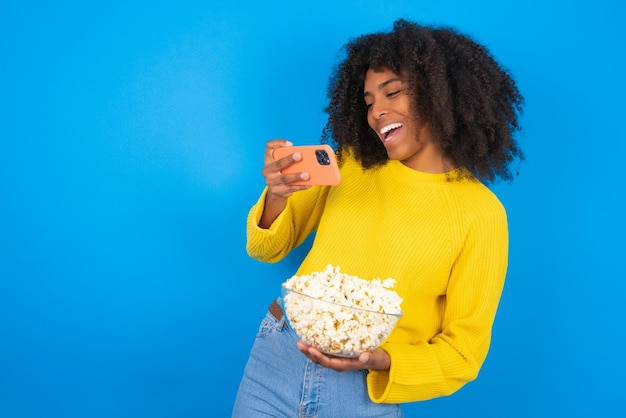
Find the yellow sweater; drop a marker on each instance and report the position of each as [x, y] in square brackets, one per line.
[445, 243]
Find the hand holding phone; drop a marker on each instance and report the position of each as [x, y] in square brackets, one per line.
[317, 160]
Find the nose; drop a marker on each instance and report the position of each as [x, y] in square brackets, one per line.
[378, 110]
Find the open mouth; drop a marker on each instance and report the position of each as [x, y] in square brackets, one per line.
[389, 131]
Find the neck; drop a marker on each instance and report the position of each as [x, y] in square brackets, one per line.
[429, 160]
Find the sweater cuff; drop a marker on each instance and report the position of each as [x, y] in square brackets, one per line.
[411, 377]
[254, 217]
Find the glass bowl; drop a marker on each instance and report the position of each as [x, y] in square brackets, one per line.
[336, 329]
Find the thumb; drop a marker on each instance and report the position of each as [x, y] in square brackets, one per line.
[377, 359]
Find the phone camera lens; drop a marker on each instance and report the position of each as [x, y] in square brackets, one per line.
[322, 157]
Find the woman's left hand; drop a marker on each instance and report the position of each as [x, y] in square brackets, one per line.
[376, 359]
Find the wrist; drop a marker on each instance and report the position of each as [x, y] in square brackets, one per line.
[272, 197]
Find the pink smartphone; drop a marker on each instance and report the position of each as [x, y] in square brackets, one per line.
[317, 160]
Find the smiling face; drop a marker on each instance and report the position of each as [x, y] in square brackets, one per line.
[389, 115]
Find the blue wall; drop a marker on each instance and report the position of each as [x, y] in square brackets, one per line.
[131, 142]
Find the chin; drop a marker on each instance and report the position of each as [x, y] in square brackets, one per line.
[393, 155]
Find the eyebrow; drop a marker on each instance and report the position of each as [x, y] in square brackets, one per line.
[383, 84]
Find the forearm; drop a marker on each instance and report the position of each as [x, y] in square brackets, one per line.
[274, 205]
[274, 228]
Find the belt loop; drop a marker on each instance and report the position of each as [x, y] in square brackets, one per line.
[277, 312]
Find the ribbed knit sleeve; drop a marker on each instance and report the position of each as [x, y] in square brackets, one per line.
[440, 366]
[299, 218]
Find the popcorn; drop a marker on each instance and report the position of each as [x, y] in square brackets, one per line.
[340, 314]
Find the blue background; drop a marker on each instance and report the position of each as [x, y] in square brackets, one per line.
[131, 143]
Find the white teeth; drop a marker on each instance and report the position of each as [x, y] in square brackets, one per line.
[390, 127]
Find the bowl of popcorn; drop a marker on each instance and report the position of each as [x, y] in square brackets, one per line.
[340, 314]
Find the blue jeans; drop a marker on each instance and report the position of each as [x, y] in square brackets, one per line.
[280, 381]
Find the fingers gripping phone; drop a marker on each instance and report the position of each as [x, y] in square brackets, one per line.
[317, 160]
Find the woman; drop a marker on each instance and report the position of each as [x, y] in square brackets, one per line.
[421, 118]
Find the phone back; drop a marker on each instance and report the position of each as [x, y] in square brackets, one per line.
[317, 160]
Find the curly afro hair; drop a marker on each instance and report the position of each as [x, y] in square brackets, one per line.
[470, 102]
